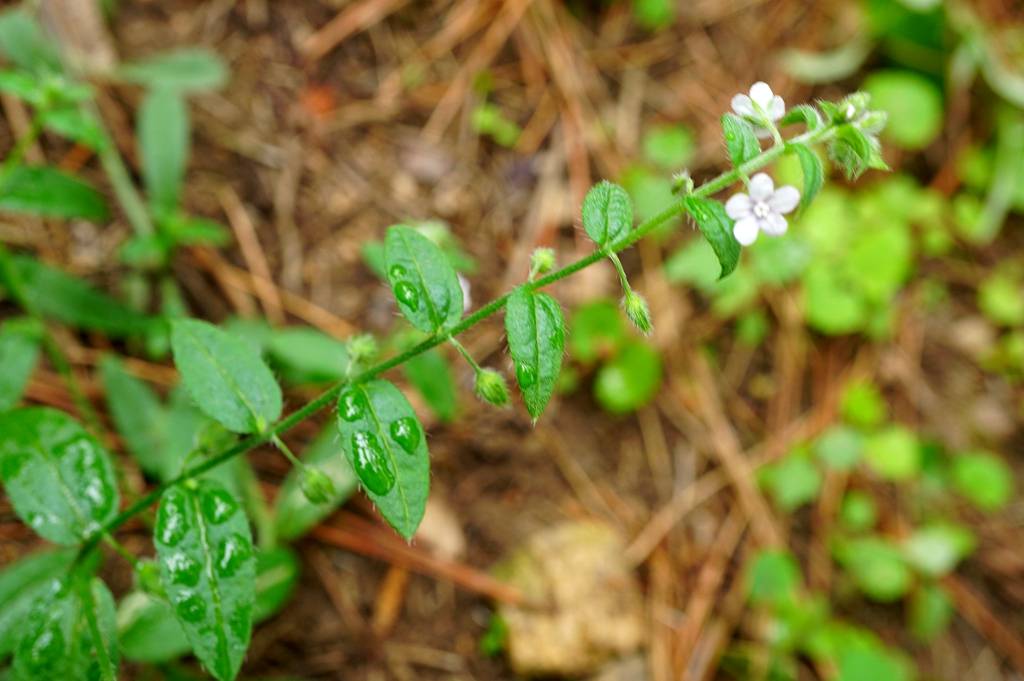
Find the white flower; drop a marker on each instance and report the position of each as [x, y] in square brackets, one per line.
[762, 209]
[467, 299]
[761, 103]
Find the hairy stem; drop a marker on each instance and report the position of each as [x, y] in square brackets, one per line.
[272, 432]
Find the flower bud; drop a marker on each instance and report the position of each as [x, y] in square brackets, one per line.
[491, 387]
[635, 307]
[317, 487]
[854, 105]
[682, 183]
[542, 260]
[362, 347]
[873, 122]
[147, 578]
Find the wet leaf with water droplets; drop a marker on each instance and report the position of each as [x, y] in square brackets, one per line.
[385, 444]
[607, 213]
[69, 633]
[227, 378]
[208, 568]
[21, 583]
[19, 350]
[536, 340]
[423, 280]
[716, 227]
[58, 477]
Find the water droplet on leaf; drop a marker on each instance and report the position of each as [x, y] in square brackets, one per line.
[352, 405]
[191, 609]
[371, 463]
[397, 272]
[232, 554]
[171, 520]
[526, 375]
[406, 432]
[183, 570]
[407, 295]
[218, 505]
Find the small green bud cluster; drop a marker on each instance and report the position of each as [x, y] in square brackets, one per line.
[491, 387]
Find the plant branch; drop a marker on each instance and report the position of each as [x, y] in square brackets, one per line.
[272, 432]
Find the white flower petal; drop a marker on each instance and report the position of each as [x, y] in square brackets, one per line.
[761, 187]
[467, 299]
[762, 132]
[738, 206]
[785, 199]
[745, 230]
[774, 225]
[742, 105]
[777, 108]
[762, 95]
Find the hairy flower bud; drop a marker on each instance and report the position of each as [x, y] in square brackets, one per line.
[542, 260]
[362, 347]
[317, 487]
[635, 307]
[491, 387]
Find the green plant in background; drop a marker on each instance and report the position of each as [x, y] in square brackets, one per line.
[222, 561]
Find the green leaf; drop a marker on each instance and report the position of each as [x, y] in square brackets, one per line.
[387, 448]
[839, 447]
[802, 113]
[424, 282]
[862, 404]
[669, 146]
[163, 132]
[536, 341]
[430, 374]
[984, 479]
[58, 477]
[871, 663]
[914, 105]
[149, 632]
[931, 611]
[936, 549]
[654, 14]
[740, 140]
[607, 213]
[21, 583]
[773, 578]
[630, 380]
[49, 192]
[22, 85]
[858, 512]
[185, 230]
[294, 515]
[208, 568]
[19, 351]
[137, 413]
[22, 41]
[1001, 299]
[876, 566]
[185, 70]
[277, 574]
[226, 378]
[893, 453]
[72, 301]
[597, 331]
[813, 171]
[716, 227]
[70, 633]
[77, 125]
[793, 481]
[308, 356]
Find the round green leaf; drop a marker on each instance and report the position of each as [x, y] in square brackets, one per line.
[740, 140]
[21, 583]
[58, 477]
[629, 381]
[984, 479]
[914, 105]
[893, 453]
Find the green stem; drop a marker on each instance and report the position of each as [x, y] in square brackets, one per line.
[124, 189]
[329, 396]
[256, 504]
[109, 540]
[465, 354]
[614, 257]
